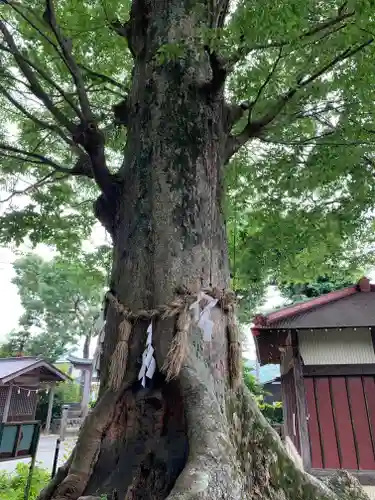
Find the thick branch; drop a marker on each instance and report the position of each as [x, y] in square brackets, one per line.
[254, 128]
[87, 134]
[35, 86]
[91, 138]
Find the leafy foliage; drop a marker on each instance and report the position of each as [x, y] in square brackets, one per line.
[62, 300]
[12, 485]
[297, 292]
[300, 188]
[272, 412]
[251, 382]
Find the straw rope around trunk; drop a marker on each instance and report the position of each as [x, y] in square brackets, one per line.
[179, 348]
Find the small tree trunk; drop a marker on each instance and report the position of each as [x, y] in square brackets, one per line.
[193, 437]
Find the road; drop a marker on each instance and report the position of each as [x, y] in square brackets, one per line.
[45, 454]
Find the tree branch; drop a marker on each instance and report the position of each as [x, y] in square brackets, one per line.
[105, 78]
[222, 11]
[82, 166]
[318, 28]
[45, 76]
[87, 134]
[66, 48]
[266, 82]
[42, 182]
[35, 86]
[15, 7]
[254, 128]
[219, 72]
[41, 123]
[34, 158]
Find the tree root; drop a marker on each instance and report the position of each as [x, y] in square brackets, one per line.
[72, 478]
[62, 472]
[234, 454]
[249, 462]
[211, 470]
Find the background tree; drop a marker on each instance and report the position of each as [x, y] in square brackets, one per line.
[251, 382]
[62, 299]
[297, 292]
[167, 106]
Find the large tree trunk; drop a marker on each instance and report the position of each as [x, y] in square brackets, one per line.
[193, 437]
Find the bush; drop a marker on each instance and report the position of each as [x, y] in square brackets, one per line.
[273, 413]
[92, 404]
[66, 392]
[12, 485]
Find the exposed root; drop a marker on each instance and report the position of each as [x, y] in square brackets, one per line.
[250, 465]
[269, 471]
[211, 470]
[347, 487]
[74, 478]
[60, 475]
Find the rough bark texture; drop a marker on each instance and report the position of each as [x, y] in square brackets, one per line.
[191, 438]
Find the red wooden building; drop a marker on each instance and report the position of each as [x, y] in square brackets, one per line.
[326, 351]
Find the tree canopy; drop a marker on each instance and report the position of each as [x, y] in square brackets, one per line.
[301, 183]
[297, 292]
[294, 134]
[62, 301]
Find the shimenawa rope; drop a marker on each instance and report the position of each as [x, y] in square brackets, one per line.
[179, 347]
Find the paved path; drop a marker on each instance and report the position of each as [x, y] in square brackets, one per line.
[45, 454]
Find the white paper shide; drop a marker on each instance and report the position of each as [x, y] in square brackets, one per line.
[148, 361]
[203, 318]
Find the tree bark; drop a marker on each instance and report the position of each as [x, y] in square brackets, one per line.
[192, 437]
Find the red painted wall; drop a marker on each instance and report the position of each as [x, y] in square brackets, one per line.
[341, 422]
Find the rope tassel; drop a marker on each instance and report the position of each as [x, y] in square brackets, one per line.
[181, 308]
[119, 358]
[179, 348]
